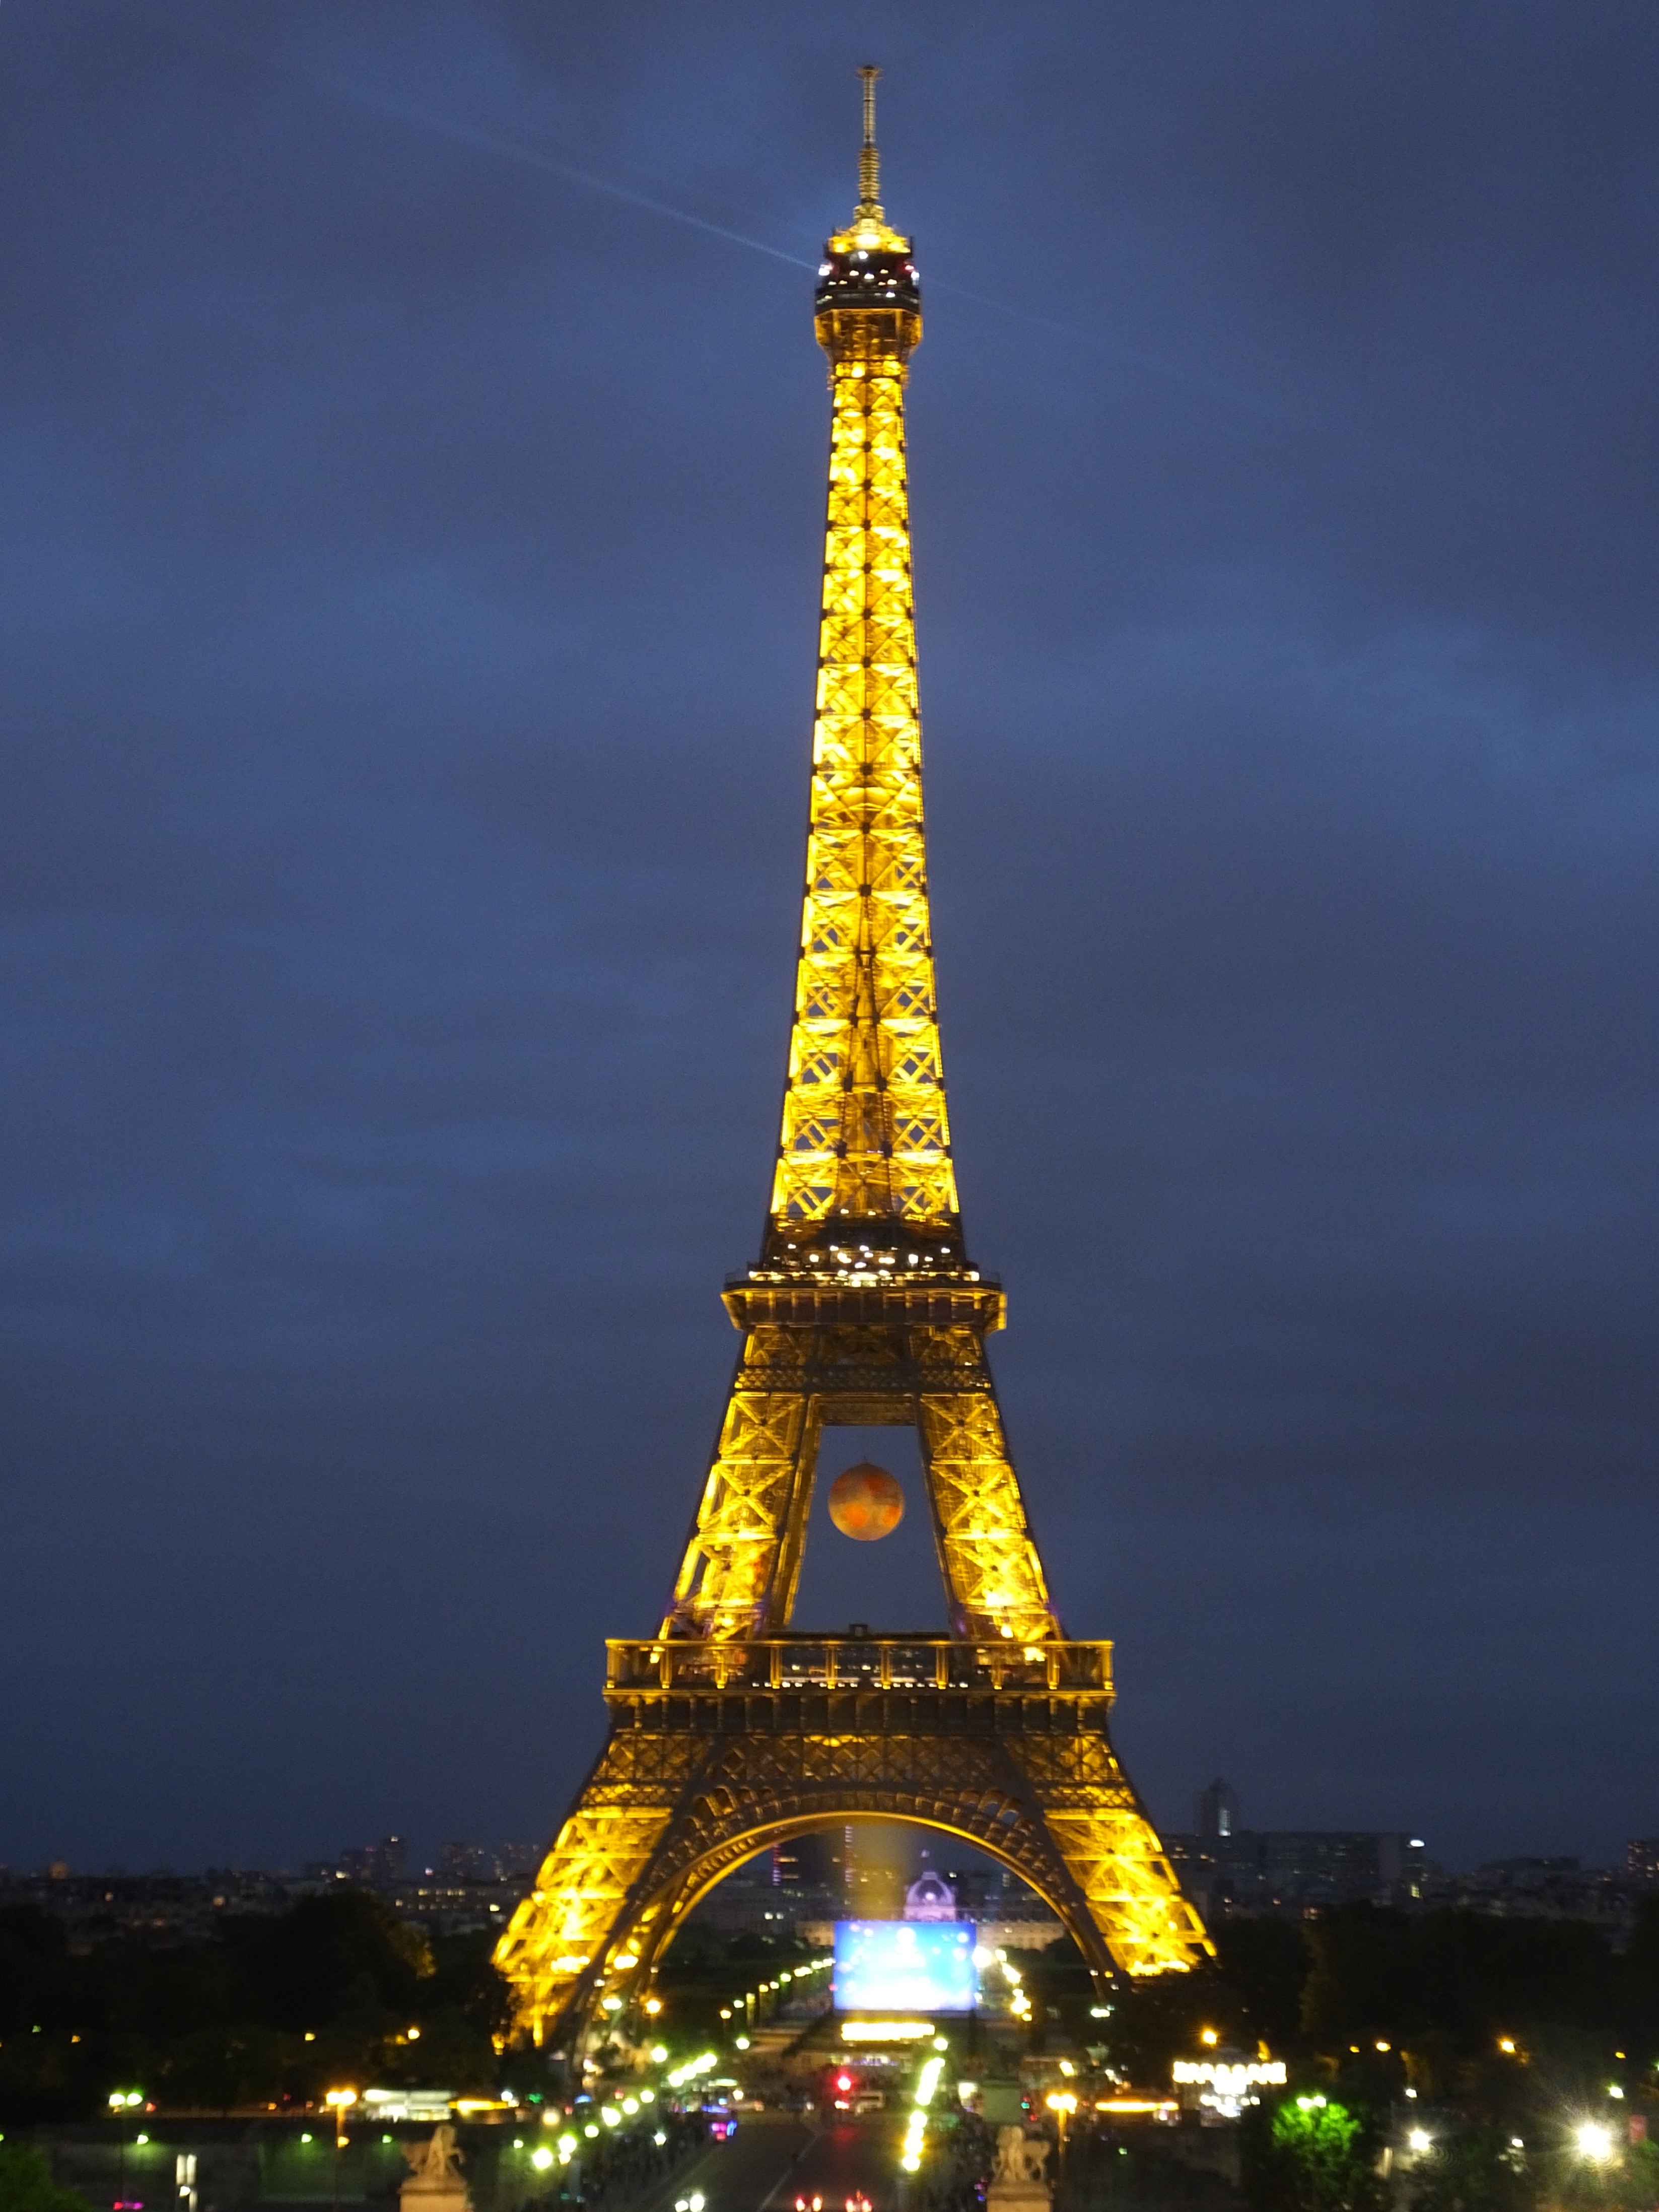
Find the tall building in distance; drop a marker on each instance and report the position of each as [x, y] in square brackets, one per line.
[1215, 1810]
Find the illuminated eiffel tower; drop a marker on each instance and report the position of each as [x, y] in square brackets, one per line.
[730, 1731]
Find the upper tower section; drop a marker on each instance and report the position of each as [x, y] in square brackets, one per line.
[868, 303]
[864, 1175]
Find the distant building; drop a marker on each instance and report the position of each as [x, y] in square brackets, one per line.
[1215, 1810]
[1298, 1871]
[386, 1860]
[464, 1862]
[1642, 1858]
[930, 1898]
[1546, 1889]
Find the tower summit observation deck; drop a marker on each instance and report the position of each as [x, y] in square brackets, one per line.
[732, 1730]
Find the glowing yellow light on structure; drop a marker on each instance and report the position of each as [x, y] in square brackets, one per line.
[1231, 2079]
[885, 2031]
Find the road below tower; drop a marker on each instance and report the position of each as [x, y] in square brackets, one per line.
[774, 2158]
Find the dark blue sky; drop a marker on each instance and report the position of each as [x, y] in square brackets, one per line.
[411, 557]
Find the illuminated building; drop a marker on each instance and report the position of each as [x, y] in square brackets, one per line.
[728, 1732]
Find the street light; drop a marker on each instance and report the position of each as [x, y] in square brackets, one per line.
[340, 2101]
[1062, 2103]
[1595, 2143]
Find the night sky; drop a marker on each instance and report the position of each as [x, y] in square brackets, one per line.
[413, 441]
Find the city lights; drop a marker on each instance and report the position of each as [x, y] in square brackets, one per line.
[541, 2158]
[1594, 2142]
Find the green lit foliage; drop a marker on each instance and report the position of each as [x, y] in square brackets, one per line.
[1312, 2154]
[27, 2186]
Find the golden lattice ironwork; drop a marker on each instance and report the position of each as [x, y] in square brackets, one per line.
[730, 1731]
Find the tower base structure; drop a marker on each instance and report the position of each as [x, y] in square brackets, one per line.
[719, 1750]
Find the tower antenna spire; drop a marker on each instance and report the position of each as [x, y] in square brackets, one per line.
[869, 159]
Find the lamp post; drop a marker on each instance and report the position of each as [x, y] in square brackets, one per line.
[1062, 2102]
[340, 2102]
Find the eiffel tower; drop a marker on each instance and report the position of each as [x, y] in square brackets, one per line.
[731, 1730]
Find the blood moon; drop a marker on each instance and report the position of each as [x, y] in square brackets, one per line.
[865, 1502]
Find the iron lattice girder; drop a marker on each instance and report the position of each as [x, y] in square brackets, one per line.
[743, 1557]
[693, 1782]
[864, 1126]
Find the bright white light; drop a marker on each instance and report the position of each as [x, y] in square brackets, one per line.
[1594, 2142]
[1420, 2140]
[1614, 2089]
[542, 2158]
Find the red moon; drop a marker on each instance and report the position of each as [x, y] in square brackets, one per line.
[865, 1502]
